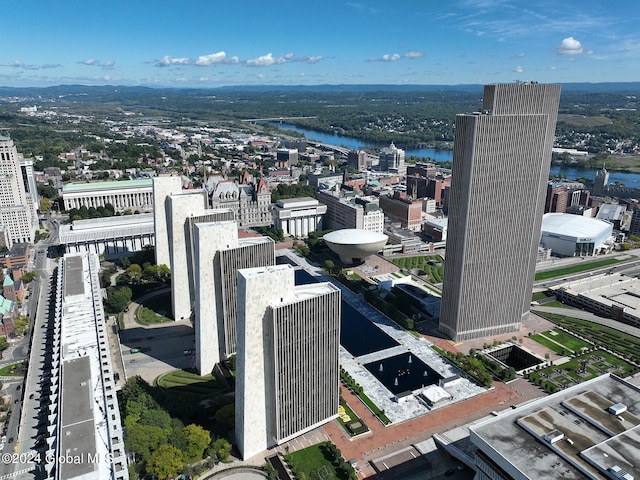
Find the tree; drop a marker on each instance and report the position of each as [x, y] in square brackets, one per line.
[21, 325]
[198, 439]
[27, 277]
[134, 272]
[165, 462]
[222, 448]
[225, 417]
[118, 298]
[45, 204]
[143, 439]
[3, 344]
[329, 265]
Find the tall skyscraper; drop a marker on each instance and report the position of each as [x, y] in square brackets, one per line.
[501, 162]
[287, 360]
[219, 254]
[600, 182]
[162, 188]
[18, 212]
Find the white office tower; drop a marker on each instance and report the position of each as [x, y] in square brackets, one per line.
[179, 208]
[287, 361]
[162, 188]
[501, 159]
[219, 254]
[18, 211]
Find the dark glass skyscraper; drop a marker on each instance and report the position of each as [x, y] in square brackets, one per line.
[499, 180]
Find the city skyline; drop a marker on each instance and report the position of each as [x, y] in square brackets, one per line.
[336, 42]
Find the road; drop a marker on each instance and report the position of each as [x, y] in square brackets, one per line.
[22, 428]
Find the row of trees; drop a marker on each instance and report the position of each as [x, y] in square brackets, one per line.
[161, 445]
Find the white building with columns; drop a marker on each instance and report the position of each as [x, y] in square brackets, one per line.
[124, 195]
[298, 216]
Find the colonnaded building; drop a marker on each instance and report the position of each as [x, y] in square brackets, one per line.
[113, 237]
[123, 195]
[500, 153]
[287, 357]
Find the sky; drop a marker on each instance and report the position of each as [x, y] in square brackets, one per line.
[213, 43]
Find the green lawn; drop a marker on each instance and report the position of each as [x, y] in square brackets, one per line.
[552, 377]
[549, 344]
[433, 265]
[14, 370]
[156, 309]
[582, 267]
[538, 296]
[610, 338]
[314, 462]
[188, 381]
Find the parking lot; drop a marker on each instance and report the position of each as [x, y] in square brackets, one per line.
[161, 348]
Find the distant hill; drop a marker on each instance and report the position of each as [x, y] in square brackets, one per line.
[112, 91]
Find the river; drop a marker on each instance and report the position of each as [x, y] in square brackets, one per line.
[631, 180]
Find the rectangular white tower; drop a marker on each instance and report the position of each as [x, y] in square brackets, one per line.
[180, 207]
[219, 254]
[162, 188]
[287, 380]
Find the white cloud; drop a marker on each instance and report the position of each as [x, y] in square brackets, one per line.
[519, 69]
[89, 61]
[261, 76]
[414, 54]
[25, 66]
[169, 60]
[570, 46]
[390, 58]
[309, 59]
[108, 64]
[264, 61]
[204, 60]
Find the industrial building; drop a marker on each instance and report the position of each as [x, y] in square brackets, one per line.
[501, 153]
[287, 380]
[575, 236]
[589, 430]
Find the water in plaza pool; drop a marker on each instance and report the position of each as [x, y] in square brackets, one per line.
[403, 373]
[357, 334]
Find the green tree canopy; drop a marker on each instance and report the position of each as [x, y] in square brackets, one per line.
[222, 448]
[165, 462]
[198, 439]
[134, 272]
[118, 298]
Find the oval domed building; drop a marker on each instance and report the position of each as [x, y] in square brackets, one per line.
[353, 245]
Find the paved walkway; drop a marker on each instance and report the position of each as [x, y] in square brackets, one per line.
[129, 317]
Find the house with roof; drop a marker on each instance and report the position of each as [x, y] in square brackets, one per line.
[8, 314]
[12, 289]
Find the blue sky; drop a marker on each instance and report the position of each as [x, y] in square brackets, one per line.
[199, 43]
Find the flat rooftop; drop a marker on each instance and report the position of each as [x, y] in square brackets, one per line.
[608, 289]
[570, 434]
[97, 186]
[78, 431]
